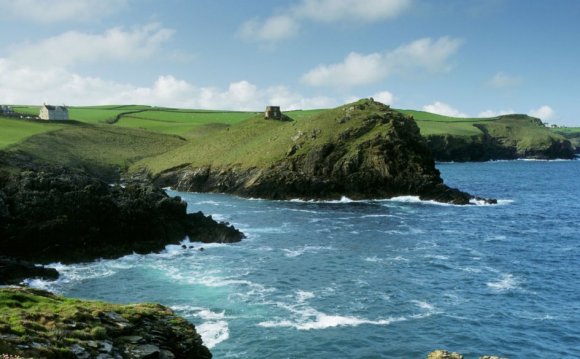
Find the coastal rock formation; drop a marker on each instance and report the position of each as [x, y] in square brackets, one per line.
[38, 324]
[363, 151]
[67, 216]
[14, 271]
[444, 354]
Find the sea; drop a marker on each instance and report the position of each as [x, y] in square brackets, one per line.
[393, 278]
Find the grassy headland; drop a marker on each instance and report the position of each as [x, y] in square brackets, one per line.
[477, 139]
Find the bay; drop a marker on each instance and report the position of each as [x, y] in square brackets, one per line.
[375, 279]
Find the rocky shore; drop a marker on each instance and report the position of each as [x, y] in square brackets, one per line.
[38, 324]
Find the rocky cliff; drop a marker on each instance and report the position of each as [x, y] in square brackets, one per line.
[65, 215]
[38, 324]
[363, 150]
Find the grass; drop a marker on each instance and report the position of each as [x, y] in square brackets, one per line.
[79, 144]
[256, 142]
[433, 124]
[14, 130]
[44, 318]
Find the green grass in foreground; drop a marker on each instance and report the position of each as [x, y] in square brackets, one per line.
[42, 317]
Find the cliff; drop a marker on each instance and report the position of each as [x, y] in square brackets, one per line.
[38, 324]
[362, 150]
[59, 214]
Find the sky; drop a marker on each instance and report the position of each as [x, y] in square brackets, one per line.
[476, 58]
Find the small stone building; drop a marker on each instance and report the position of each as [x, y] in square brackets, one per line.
[48, 112]
[273, 113]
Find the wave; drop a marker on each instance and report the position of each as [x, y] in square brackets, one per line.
[213, 330]
[323, 321]
[305, 249]
[506, 283]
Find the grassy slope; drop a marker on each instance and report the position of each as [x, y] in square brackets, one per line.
[15, 130]
[87, 145]
[256, 141]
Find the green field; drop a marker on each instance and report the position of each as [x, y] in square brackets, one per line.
[13, 130]
[433, 124]
[158, 138]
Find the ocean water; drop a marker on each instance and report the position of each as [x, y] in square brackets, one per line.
[375, 279]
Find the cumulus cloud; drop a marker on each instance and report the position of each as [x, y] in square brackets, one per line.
[501, 80]
[273, 29]
[350, 10]
[287, 24]
[384, 97]
[115, 44]
[444, 109]
[360, 69]
[544, 113]
[59, 10]
[492, 113]
[21, 84]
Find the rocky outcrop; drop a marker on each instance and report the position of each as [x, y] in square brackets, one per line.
[67, 216]
[38, 324]
[14, 271]
[382, 156]
[444, 354]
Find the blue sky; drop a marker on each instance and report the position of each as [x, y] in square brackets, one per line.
[464, 58]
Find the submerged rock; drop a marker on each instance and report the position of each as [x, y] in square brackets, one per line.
[67, 216]
[43, 325]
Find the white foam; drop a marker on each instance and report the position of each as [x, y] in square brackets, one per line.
[342, 199]
[506, 283]
[303, 296]
[213, 333]
[500, 202]
[324, 321]
[306, 249]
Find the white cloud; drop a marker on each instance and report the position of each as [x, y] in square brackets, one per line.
[501, 80]
[286, 24]
[492, 113]
[114, 44]
[544, 113]
[384, 97]
[59, 10]
[273, 29]
[444, 109]
[350, 10]
[22, 84]
[359, 69]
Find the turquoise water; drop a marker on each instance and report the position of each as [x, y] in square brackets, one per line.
[375, 279]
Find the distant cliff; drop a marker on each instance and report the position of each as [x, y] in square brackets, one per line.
[499, 138]
[361, 150]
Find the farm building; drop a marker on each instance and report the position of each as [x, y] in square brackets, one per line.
[273, 113]
[48, 112]
[6, 110]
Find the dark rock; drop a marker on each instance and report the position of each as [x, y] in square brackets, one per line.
[14, 271]
[68, 216]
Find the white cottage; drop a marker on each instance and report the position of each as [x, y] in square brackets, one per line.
[48, 112]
